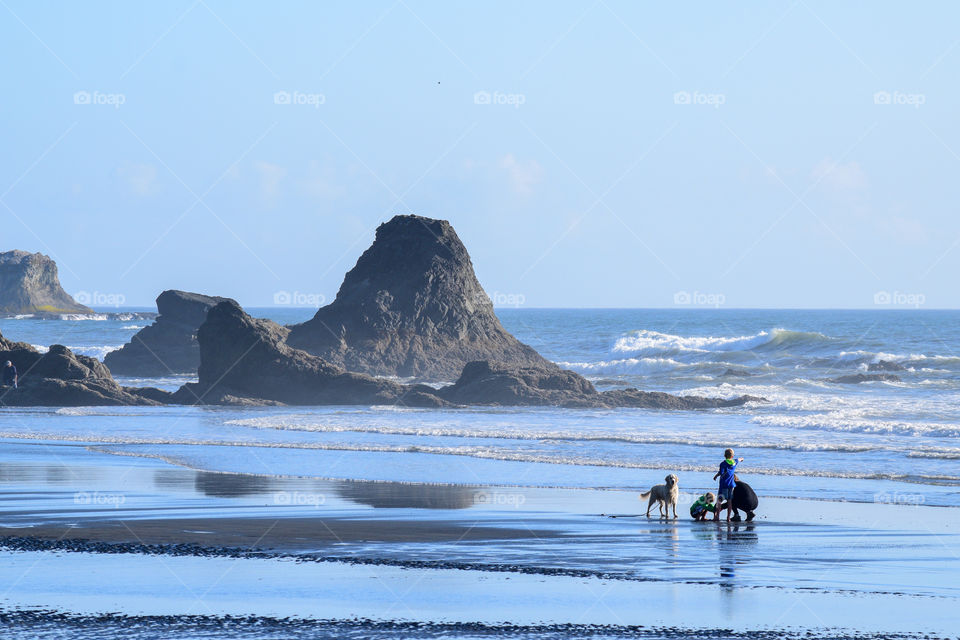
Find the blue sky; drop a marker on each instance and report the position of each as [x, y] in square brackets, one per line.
[589, 154]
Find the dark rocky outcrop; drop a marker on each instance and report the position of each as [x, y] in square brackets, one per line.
[29, 284]
[169, 345]
[61, 378]
[736, 373]
[245, 360]
[412, 306]
[885, 365]
[610, 382]
[857, 378]
[638, 399]
[485, 383]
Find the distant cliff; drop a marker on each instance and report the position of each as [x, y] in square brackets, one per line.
[29, 284]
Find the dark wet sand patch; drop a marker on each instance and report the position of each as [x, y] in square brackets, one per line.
[288, 533]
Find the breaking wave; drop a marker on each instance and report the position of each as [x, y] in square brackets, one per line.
[648, 342]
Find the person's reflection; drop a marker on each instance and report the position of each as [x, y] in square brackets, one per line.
[733, 539]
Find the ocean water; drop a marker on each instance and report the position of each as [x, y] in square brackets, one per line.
[813, 438]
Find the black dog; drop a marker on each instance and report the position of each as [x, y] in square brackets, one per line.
[744, 499]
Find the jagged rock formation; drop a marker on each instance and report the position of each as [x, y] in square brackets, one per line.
[485, 383]
[885, 365]
[736, 373]
[169, 345]
[29, 284]
[412, 306]
[245, 360]
[61, 378]
[857, 378]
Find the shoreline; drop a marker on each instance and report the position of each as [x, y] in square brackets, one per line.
[258, 626]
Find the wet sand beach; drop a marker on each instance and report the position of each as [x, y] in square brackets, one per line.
[315, 556]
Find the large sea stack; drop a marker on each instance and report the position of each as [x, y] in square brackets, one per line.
[29, 284]
[412, 307]
[169, 345]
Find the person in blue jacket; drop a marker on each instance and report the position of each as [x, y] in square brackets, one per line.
[727, 482]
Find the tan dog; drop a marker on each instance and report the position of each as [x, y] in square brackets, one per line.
[664, 495]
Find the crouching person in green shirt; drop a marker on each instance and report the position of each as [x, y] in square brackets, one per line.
[703, 504]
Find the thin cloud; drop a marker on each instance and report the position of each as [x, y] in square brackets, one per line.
[271, 175]
[845, 178]
[140, 178]
[523, 176]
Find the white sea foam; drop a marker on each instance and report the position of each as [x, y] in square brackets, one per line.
[847, 422]
[95, 351]
[522, 433]
[646, 341]
[74, 317]
[106, 411]
[641, 366]
[905, 359]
